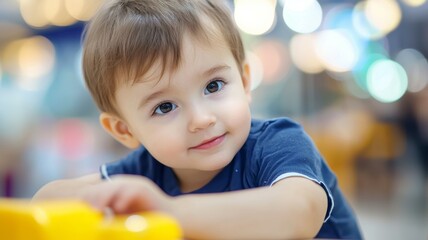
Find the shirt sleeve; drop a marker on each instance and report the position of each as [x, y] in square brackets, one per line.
[135, 163]
[284, 150]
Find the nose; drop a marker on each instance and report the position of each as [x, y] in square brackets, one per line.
[200, 118]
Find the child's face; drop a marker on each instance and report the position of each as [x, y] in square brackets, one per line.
[194, 118]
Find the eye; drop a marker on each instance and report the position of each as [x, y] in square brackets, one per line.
[214, 86]
[164, 108]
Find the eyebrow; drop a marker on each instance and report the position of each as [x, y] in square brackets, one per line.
[207, 73]
[150, 98]
[216, 69]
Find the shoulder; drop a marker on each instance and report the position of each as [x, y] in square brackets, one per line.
[278, 133]
[280, 146]
[262, 125]
[275, 126]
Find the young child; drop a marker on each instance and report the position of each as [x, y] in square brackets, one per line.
[171, 81]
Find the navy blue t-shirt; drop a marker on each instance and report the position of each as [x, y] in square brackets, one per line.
[275, 149]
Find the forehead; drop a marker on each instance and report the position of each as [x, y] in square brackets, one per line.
[196, 54]
[199, 63]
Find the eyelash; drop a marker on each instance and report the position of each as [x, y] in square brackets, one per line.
[174, 106]
[156, 113]
[223, 83]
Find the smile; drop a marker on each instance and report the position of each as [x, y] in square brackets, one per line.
[210, 143]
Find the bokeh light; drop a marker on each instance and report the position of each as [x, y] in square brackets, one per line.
[42, 13]
[36, 57]
[74, 139]
[414, 3]
[57, 14]
[385, 15]
[40, 216]
[30, 60]
[386, 80]
[255, 17]
[32, 12]
[302, 16]
[136, 223]
[372, 52]
[336, 50]
[339, 16]
[416, 67]
[362, 67]
[275, 60]
[362, 25]
[303, 53]
[81, 9]
[256, 69]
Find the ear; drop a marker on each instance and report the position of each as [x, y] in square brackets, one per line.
[246, 79]
[118, 129]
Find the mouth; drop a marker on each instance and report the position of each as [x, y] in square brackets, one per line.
[210, 143]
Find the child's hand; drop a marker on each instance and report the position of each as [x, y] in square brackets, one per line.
[127, 194]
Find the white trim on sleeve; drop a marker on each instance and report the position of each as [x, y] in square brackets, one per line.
[295, 174]
[104, 172]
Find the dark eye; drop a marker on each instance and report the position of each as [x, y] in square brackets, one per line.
[214, 86]
[164, 108]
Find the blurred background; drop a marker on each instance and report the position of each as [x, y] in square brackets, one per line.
[354, 73]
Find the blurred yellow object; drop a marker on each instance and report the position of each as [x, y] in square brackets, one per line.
[70, 220]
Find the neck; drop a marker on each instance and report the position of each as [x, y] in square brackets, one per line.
[192, 180]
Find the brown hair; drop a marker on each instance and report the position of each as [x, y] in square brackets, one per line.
[128, 36]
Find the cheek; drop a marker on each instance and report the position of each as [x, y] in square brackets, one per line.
[163, 144]
[237, 112]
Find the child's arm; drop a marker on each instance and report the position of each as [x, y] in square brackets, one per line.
[293, 208]
[67, 188]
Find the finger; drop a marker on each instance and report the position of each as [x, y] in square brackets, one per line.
[101, 195]
[132, 201]
[126, 202]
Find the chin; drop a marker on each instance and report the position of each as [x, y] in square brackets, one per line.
[218, 165]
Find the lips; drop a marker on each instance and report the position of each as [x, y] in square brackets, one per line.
[210, 143]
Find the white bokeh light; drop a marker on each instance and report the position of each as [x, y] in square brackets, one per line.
[302, 16]
[336, 50]
[386, 81]
[414, 3]
[255, 17]
[136, 223]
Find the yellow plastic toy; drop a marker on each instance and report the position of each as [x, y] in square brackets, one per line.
[71, 220]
